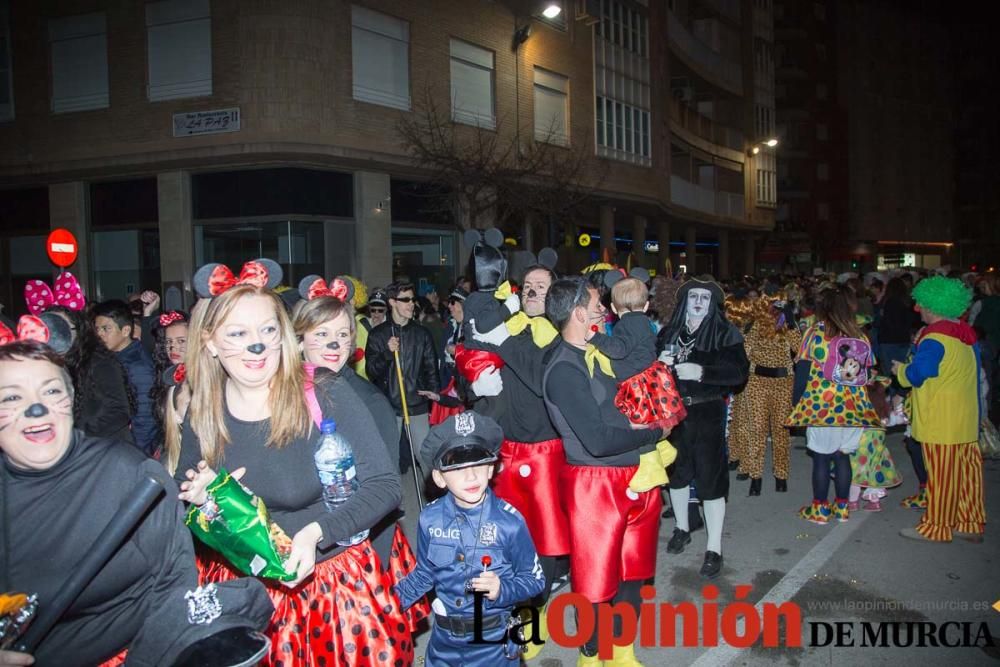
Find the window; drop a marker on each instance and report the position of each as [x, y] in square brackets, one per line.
[823, 211]
[623, 26]
[79, 48]
[472, 85]
[6, 73]
[624, 128]
[820, 10]
[822, 131]
[179, 47]
[767, 179]
[821, 91]
[823, 171]
[380, 48]
[551, 107]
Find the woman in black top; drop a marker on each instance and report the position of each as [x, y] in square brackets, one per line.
[248, 413]
[896, 325]
[60, 487]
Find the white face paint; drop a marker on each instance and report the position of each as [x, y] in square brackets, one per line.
[698, 302]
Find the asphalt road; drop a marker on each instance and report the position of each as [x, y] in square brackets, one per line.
[859, 571]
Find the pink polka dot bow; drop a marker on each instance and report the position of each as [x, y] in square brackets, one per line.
[65, 292]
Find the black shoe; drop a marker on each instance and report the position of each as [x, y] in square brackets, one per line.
[712, 566]
[668, 514]
[678, 540]
[695, 522]
[743, 476]
[781, 485]
[734, 464]
[755, 485]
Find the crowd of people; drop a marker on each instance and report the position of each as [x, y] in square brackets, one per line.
[552, 415]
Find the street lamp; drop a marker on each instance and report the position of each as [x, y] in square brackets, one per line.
[552, 10]
[755, 149]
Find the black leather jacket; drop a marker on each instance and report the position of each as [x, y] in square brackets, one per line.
[417, 356]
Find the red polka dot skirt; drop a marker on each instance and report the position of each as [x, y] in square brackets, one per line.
[651, 397]
[344, 614]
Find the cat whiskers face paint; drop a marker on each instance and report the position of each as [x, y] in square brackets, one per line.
[248, 342]
[330, 344]
[36, 413]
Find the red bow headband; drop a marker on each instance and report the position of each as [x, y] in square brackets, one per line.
[312, 287]
[166, 319]
[65, 292]
[214, 279]
[29, 327]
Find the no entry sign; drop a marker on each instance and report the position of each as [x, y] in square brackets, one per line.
[61, 247]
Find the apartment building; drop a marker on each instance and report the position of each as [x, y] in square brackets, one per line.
[172, 133]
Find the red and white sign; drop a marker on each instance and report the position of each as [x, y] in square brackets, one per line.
[62, 247]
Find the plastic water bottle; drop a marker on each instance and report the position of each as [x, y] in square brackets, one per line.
[337, 474]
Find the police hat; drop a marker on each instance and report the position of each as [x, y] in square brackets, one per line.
[462, 440]
[378, 297]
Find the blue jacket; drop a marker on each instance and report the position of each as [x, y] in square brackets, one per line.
[449, 554]
[141, 375]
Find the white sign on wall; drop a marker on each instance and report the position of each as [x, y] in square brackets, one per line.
[206, 122]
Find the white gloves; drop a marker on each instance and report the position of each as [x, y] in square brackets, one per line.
[665, 358]
[493, 337]
[689, 371]
[513, 303]
[489, 383]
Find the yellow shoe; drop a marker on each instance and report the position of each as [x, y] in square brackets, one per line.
[623, 656]
[668, 454]
[531, 649]
[650, 474]
[588, 661]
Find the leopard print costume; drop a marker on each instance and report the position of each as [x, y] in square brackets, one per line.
[767, 400]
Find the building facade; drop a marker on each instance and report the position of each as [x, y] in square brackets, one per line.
[173, 133]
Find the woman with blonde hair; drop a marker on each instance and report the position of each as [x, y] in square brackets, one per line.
[248, 413]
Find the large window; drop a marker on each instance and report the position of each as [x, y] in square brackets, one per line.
[6, 72]
[380, 48]
[424, 256]
[298, 246]
[472, 85]
[79, 48]
[551, 107]
[622, 84]
[767, 178]
[179, 47]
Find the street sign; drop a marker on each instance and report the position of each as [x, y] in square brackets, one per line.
[206, 122]
[61, 247]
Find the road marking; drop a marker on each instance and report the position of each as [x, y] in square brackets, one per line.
[787, 586]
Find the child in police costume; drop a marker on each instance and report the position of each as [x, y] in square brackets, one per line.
[470, 544]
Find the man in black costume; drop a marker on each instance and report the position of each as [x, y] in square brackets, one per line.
[707, 355]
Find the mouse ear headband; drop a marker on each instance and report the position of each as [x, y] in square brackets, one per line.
[614, 275]
[48, 328]
[214, 279]
[313, 287]
[492, 237]
[65, 291]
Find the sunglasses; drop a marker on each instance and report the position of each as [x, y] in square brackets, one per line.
[376, 311]
[404, 299]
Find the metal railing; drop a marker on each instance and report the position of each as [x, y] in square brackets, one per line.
[725, 73]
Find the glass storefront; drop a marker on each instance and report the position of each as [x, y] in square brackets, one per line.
[298, 246]
[426, 257]
[126, 261]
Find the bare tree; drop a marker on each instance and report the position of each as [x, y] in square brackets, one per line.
[491, 176]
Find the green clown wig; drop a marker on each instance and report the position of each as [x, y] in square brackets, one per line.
[945, 297]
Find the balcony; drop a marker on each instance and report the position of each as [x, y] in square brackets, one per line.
[700, 57]
[714, 202]
[703, 127]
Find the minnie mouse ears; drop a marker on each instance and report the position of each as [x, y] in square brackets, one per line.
[48, 328]
[614, 275]
[491, 237]
[213, 279]
[312, 287]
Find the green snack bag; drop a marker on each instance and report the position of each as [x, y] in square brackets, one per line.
[235, 523]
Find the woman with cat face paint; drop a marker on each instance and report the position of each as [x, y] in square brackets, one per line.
[59, 489]
[249, 414]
